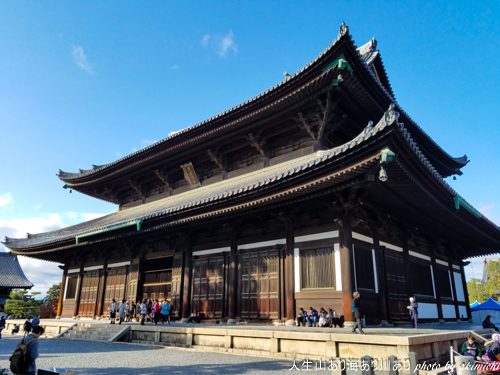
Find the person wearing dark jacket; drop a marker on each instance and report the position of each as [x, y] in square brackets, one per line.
[413, 311]
[489, 324]
[471, 348]
[356, 307]
[32, 350]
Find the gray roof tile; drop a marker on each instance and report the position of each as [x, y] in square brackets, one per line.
[11, 274]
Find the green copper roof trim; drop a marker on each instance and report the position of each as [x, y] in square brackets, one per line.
[459, 172]
[340, 62]
[135, 222]
[66, 186]
[460, 202]
[387, 156]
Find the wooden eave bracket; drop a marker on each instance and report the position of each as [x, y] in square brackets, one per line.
[386, 156]
[460, 202]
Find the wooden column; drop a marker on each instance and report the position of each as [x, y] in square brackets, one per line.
[289, 273]
[408, 273]
[102, 287]
[187, 277]
[78, 290]
[438, 292]
[382, 288]
[454, 289]
[346, 266]
[233, 276]
[62, 291]
[466, 294]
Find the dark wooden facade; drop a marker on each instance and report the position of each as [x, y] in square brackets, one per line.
[289, 200]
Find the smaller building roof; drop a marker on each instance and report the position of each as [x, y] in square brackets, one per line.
[11, 274]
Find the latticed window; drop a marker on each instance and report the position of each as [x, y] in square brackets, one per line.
[317, 270]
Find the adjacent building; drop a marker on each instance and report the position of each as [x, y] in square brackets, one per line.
[11, 277]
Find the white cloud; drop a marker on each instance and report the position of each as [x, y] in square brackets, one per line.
[204, 40]
[227, 43]
[221, 44]
[492, 212]
[80, 59]
[38, 207]
[148, 142]
[5, 200]
[41, 273]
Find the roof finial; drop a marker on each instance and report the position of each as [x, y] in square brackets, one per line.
[286, 74]
[344, 29]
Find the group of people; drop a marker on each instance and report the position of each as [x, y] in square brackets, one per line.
[322, 319]
[152, 310]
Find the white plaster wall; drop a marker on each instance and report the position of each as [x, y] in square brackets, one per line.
[449, 312]
[462, 311]
[460, 288]
[427, 311]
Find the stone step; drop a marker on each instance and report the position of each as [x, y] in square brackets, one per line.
[87, 337]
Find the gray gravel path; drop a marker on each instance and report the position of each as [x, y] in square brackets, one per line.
[100, 358]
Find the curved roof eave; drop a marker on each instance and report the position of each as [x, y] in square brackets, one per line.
[260, 99]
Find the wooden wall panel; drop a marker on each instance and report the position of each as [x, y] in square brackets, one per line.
[176, 285]
[88, 300]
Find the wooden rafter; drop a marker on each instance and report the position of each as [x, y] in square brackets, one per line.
[217, 159]
[258, 145]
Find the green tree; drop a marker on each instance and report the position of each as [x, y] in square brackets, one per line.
[477, 291]
[48, 309]
[53, 293]
[493, 282]
[20, 305]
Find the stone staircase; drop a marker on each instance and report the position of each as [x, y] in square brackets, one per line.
[93, 332]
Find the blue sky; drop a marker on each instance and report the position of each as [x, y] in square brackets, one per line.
[86, 83]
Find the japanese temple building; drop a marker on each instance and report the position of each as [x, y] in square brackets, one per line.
[318, 186]
[11, 277]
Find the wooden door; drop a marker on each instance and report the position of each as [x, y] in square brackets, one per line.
[176, 285]
[396, 285]
[115, 287]
[260, 284]
[208, 286]
[90, 286]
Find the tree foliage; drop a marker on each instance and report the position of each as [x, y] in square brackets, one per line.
[48, 309]
[20, 305]
[480, 291]
[477, 291]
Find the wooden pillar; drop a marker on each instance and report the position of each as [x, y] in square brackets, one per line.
[408, 273]
[346, 266]
[233, 275]
[102, 287]
[289, 273]
[187, 277]
[466, 294]
[382, 288]
[436, 288]
[78, 290]
[62, 291]
[454, 289]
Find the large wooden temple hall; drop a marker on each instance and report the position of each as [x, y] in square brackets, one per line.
[316, 187]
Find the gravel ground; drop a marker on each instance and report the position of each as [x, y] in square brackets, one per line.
[86, 357]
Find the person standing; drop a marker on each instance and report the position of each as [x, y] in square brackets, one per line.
[121, 311]
[32, 349]
[156, 312]
[413, 310]
[112, 312]
[36, 321]
[144, 311]
[356, 309]
[27, 327]
[138, 311]
[165, 312]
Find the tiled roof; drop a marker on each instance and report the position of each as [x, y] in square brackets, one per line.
[204, 195]
[367, 54]
[11, 274]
